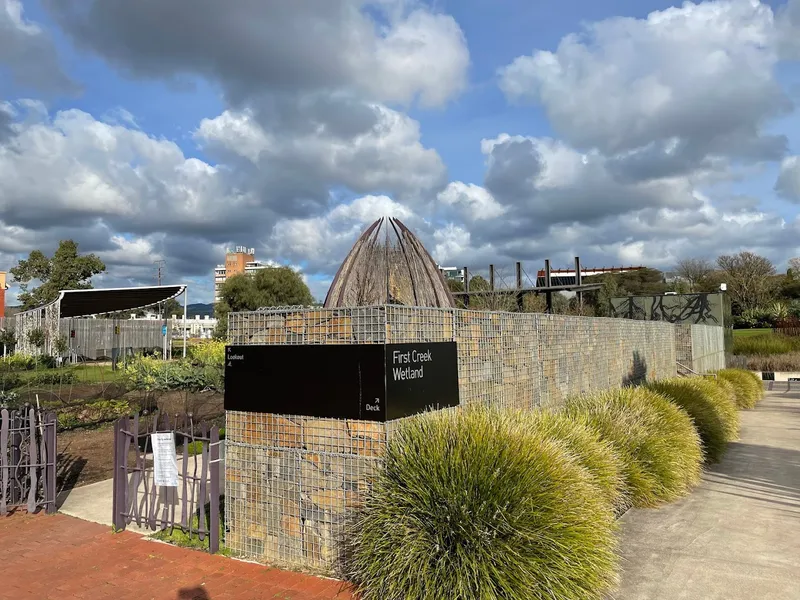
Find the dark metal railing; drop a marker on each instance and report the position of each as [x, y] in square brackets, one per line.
[138, 499]
[27, 460]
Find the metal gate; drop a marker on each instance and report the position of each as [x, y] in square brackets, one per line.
[27, 460]
[137, 495]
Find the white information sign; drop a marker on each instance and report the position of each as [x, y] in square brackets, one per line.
[165, 459]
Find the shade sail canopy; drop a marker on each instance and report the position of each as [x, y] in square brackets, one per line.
[83, 303]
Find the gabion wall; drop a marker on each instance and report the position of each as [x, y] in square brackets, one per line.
[291, 480]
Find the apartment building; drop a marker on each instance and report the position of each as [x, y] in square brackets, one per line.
[3, 288]
[453, 273]
[237, 261]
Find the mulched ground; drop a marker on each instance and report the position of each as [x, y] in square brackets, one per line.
[55, 556]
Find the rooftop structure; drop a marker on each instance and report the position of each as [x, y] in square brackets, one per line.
[567, 276]
[388, 265]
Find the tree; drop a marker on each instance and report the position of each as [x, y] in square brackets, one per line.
[273, 286]
[793, 272]
[66, 270]
[695, 271]
[750, 279]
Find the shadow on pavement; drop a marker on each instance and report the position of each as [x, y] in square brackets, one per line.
[760, 472]
[195, 593]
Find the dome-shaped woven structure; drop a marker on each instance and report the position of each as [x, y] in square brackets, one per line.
[388, 265]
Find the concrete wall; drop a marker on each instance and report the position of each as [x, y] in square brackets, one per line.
[699, 348]
[291, 481]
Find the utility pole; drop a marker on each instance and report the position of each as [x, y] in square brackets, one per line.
[160, 264]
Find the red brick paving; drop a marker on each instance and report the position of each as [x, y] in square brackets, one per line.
[56, 556]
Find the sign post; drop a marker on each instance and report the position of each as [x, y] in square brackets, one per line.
[369, 382]
[165, 459]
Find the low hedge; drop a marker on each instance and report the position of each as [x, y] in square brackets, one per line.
[711, 408]
[748, 389]
[474, 503]
[585, 445]
[659, 447]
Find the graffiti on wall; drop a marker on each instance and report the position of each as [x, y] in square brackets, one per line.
[702, 309]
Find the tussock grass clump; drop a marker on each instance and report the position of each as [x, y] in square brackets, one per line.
[765, 345]
[659, 447]
[593, 453]
[472, 504]
[725, 386]
[747, 388]
[714, 413]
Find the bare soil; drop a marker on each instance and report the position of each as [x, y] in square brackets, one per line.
[84, 456]
[87, 455]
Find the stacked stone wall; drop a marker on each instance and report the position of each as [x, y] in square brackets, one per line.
[292, 481]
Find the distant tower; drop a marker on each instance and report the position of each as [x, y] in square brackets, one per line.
[389, 265]
[3, 288]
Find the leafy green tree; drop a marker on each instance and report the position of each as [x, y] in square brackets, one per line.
[272, 286]
[750, 279]
[66, 270]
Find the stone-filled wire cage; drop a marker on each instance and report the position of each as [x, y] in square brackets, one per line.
[291, 480]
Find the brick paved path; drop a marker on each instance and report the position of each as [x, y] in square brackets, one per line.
[55, 556]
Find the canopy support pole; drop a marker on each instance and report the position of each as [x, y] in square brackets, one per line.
[185, 308]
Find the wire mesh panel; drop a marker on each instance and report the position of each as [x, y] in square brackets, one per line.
[302, 325]
[290, 482]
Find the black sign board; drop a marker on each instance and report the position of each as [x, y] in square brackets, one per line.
[369, 382]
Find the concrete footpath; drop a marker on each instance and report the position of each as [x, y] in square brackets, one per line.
[737, 536]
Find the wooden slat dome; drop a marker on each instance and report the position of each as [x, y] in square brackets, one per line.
[389, 265]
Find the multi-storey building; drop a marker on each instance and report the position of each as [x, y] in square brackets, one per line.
[453, 273]
[237, 261]
[3, 288]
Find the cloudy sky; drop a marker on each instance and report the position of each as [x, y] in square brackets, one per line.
[624, 131]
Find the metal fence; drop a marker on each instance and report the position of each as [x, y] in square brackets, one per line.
[137, 496]
[27, 460]
[85, 339]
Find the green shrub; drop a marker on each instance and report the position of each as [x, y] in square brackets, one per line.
[747, 388]
[208, 353]
[10, 380]
[469, 504]
[725, 386]
[596, 455]
[153, 374]
[53, 377]
[765, 345]
[92, 413]
[657, 443]
[714, 414]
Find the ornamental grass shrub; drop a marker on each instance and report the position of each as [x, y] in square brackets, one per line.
[713, 411]
[747, 388]
[726, 386]
[656, 441]
[585, 445]
[474, 503]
